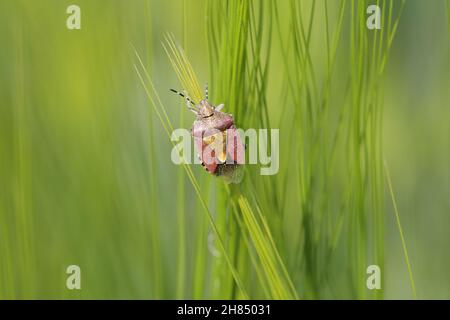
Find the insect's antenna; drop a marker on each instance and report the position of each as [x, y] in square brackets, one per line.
[206, 91]
[187, 98]
[188, 101]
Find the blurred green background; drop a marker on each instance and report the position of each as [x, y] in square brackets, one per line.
[85, 170]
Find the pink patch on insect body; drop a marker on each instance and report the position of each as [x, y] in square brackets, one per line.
[235, 147]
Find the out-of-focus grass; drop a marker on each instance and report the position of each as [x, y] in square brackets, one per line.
[400, 229]
[447, 6]
[85, 169]
[70, 135]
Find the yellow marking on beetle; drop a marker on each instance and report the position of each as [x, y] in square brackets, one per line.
[217, 142]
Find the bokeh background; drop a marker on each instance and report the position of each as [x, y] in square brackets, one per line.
[85, 170]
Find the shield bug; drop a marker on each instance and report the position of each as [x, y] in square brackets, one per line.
[216, 138]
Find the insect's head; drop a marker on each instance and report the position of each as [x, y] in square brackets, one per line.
[205, 109]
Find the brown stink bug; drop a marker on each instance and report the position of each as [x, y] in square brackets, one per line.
[216, 138]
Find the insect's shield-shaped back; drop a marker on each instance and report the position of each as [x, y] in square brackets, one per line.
[219, 147]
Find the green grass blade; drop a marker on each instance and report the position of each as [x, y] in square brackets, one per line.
[400, 230]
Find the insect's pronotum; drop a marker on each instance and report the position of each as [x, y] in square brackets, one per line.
[216, 138]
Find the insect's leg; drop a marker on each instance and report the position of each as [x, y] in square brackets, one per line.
[219, 107]
[206, 91]
[189, 102]
[193, 110]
